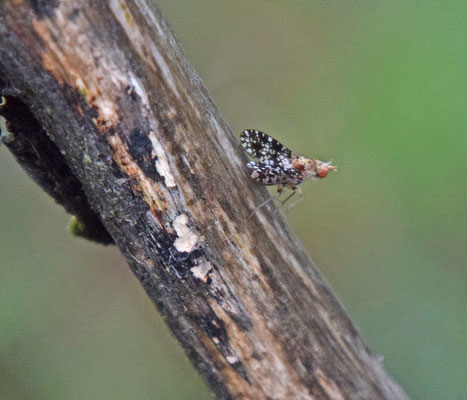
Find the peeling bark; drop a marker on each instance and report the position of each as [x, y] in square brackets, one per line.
[140, 138]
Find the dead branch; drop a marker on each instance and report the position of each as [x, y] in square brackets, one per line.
[116, 116]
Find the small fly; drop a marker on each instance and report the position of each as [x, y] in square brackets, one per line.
[277, 165]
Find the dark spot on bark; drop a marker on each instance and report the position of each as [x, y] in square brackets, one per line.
[118, 173]
[43, 8]
[74, 14]
[256, 356]
[183, 262]
[93, 112]
[308, 363]
[140, 148]
[215, 329]
[130, 90]
[240, 369]
[140, 144]
[168, 126]
[162, 242]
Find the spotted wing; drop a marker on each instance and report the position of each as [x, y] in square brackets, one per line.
[262, 146]
[273, 173]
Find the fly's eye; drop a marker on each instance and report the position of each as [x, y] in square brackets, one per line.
[323, 172]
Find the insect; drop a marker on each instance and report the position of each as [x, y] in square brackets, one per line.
[277, 165]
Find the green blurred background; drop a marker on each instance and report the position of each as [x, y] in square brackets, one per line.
[379, 87]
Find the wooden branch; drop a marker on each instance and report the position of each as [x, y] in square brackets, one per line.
[136, 128]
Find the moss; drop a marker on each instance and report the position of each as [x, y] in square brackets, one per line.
[126, 11]
[76, 227]
[84, 93]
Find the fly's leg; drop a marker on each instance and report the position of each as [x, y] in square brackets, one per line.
[296, 190]
[280, 189]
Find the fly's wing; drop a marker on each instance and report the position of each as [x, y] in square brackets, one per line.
[273, 173]
[262, 146]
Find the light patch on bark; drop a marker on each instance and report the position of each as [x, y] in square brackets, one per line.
[231, 359]
[166, 72]
[148, 11]
[107, 110]
[187, 239]
[187, 163]
[162, 163]
[138, 87]
[202, 270]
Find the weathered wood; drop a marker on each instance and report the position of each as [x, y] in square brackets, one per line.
[44, 163]
[135, 125]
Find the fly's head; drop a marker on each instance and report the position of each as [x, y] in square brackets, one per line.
[322, 168]
[312, 168]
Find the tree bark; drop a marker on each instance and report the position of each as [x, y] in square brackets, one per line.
[124, 127]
